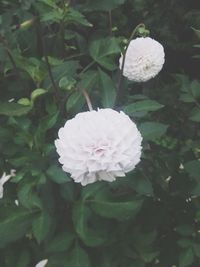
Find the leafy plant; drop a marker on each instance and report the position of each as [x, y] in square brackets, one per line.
[51, 53]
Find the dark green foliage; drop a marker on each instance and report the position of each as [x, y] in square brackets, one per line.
[50, 50]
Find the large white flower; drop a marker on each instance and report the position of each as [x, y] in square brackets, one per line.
[4, 179]
[144, 59]
[99, 145]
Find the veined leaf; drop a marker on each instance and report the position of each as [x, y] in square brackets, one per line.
[152, 130]
[13, 109]
[41, 226]
[61, 242]
[108, 90]
[107, 206]
[15, 224]
[144, 105]
[78, 258]
[102, 51]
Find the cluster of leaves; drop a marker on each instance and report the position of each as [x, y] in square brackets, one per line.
[50, 50]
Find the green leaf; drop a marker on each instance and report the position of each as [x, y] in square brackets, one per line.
[47, 122]
[152, 130]
[52, 16]
[24, 102]
[102, 51]
[103, 5]
[37, 92]
[34, 67]
[14, 224]
[107, 206]
[68, 191]
[195, 88]
[196, 248]
[142, 185]
[193, 168]
[75, 101]
[185, 230]
[75, 17]
[27, 197]
[67, 83]
[64, 69]
[88, 79]
[184, 243]
[50, 3]
[24, 259]
[61, 242]
[78, 258]
[81, 216]
[186, 258]
[144, 105]
[187, 98]
[108, 90]
[57, 174]
[183, 82]
[148, 256]
[195, 114]
[13, 109]
[41, 226]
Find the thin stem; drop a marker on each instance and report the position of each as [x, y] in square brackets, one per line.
[87, 67]
[50, 71]
[75, 56]
[62, 37]
[62, 29]
[12, 60]
[51, 76]
[110, 21]
[9, 53]
[44, 52]
[124, 54]
[87, 99]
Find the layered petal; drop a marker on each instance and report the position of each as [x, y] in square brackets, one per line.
[144, 59]
[99, 145]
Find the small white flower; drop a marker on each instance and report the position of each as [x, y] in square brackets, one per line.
[168, 179]
[99, 145]
[11, 100]
[16, 202]
[42, 263]
[144, 59]
[4, 179]
[181, 166]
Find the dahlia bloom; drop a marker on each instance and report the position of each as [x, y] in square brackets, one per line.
[144, 59]
[99, 145]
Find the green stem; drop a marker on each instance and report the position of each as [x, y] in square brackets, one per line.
[44, 51]
[50, 71]
[9, 53]
[195, 101]
[110, 22]
[11, 58]
[87, 67]
[124, 55]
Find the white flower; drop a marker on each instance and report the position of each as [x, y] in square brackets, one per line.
[99, 145]
[144, 59]
[16, 202]
[4, 179]
[42, 263]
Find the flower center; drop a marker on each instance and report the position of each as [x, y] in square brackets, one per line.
[99, 151]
